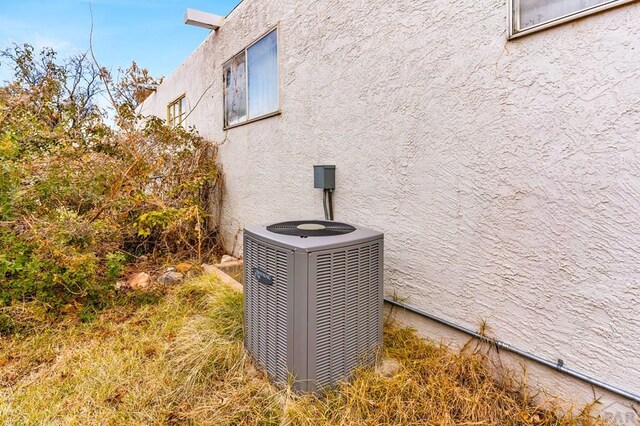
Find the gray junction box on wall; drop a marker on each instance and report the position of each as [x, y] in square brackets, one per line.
[313, 300]
[324, 177]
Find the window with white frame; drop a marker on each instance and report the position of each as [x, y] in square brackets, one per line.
[531, 15]
[176, 111]
[251, 88]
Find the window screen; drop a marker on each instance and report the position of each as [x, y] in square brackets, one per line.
[235, 79]
[530, 14]
[176, 112]
[263, 76]
[251, 88]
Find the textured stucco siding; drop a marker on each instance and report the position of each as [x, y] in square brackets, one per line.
[505, 174]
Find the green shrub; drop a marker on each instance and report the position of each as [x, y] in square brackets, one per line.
[115, 265]
[78, 199]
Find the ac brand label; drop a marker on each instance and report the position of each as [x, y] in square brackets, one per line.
[262, 276]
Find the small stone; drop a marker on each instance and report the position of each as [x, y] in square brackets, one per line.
[183, 267]
[139, 280]
[226, 259]
[208, 269]
[120, 285]
[388, 367]
[170, 277]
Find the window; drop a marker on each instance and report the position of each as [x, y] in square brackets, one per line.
[176, 112]
[531, 15]
[251, 82]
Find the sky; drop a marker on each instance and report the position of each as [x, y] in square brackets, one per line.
[150, 32]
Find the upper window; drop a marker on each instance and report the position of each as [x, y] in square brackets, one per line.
[176, 112]
[531, 15]
[251, 82]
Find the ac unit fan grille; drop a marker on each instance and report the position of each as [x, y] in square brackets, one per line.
[311, 228]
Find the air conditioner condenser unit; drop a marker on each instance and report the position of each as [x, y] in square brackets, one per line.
[313, 300]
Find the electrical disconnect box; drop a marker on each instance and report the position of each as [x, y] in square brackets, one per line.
[324, 177]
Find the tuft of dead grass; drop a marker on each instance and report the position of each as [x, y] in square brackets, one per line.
[434, 386]
[181, 361]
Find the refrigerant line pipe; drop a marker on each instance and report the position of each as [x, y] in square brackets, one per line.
[558, 366]
[327, 203]
[324, 205]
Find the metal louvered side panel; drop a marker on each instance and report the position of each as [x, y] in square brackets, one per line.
[374, 306]
[323, 320]
[353, 314]
[338, 319]
[281, 317]
[249, 251]
[348, 312]
[331, 317]
[266, 307]
[364, 287]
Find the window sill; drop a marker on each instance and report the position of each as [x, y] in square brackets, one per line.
[253, 120]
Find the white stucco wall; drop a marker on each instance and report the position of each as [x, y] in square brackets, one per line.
[505, 174]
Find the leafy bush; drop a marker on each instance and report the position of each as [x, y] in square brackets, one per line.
[79, 199]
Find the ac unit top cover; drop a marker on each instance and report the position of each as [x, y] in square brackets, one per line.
[312, 235]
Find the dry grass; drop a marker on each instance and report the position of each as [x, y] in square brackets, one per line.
[435, 386]
[181, 361]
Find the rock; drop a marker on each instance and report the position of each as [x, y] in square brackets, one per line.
[139, 280]
[121, 284]
[222, 276]
[208, 269]
[183, 267]
[226, 259]
[170, 277]
[388, 367]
